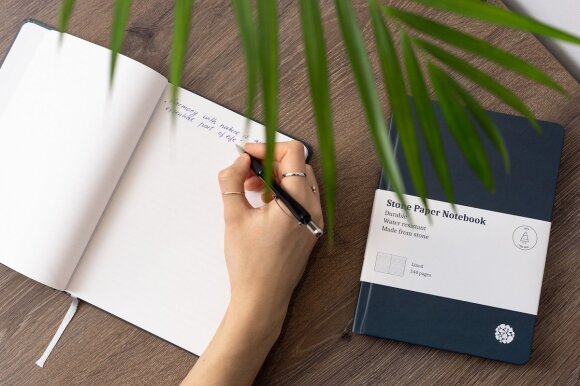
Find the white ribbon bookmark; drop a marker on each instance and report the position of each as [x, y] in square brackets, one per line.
[67, 318]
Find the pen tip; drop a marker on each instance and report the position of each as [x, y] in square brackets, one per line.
[240, 149]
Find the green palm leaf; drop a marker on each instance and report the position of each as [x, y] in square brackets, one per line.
[495, 15]
[268, 59]
[248, 38]
[315, 51]
[365, 82]
[66, 8]
[120, 18]
[479, 77]
[473, 45]
[484, 121]
[460, 125]
[401, 109]
[426, 116]
[461, 111]
[181, 27]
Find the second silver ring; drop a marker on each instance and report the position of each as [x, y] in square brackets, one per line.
[294, 174]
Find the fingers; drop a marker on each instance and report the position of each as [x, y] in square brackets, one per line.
[312, 182]
[315, 191]
[290, 158]
[231, 180]
[254, 184]
[258, 150]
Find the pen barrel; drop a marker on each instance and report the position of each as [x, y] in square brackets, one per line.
[293, 206]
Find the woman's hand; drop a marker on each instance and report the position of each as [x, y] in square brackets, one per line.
[266, 252]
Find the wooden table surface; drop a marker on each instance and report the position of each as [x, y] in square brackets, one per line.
[317, 346]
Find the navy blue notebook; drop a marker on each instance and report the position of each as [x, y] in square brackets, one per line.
[468, 281]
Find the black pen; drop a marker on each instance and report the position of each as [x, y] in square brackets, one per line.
[294, 206]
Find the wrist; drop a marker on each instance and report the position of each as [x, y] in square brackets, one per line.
[260, 317]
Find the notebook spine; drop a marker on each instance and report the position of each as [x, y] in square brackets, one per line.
[361, 308]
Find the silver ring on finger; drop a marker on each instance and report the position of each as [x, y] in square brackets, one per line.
[294, 174]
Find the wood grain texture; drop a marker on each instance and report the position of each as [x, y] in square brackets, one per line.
[316, 346]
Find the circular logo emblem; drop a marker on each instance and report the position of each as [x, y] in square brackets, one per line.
[504, 333]
[525, 237]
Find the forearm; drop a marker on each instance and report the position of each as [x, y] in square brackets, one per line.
[266, 251]
[239, 347]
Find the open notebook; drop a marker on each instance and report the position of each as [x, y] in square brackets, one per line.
[103, 197]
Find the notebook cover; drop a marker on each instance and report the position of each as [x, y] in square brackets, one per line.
[528, 191]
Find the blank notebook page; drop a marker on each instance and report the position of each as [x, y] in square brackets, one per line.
[65, 138]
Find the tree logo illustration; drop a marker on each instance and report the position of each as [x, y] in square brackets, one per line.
[525, 237]
[504, 333]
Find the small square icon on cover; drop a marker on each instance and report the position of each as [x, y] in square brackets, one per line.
[397, 266]
[382, 262]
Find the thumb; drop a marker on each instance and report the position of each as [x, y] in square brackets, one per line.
[231, 180]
